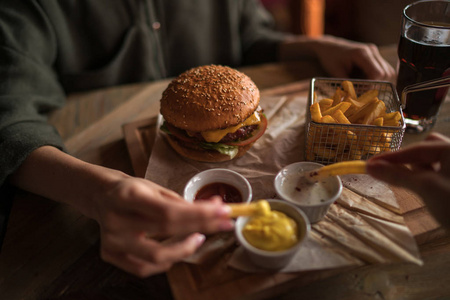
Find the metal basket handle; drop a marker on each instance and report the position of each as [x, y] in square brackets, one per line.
[425, 85]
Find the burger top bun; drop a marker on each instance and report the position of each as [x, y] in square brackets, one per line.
[209, 98]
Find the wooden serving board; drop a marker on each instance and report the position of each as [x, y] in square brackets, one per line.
[216, 280]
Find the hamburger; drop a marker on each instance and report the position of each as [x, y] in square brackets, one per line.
[212, 114]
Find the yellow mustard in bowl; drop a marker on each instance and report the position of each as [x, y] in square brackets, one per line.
[271, 232]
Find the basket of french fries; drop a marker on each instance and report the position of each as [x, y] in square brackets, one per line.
[352, 120]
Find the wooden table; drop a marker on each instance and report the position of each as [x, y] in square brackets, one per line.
[51, 251]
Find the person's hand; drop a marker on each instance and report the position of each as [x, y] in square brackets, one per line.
[343, 58]
[423, 168]
[137, 216]
[340, 57]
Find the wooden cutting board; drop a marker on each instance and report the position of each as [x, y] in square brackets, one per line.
[217, 281]
[214, 279]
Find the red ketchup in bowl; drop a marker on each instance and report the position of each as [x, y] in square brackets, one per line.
[227, 192]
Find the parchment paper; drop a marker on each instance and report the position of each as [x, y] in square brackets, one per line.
[357, 229]
[281, 145]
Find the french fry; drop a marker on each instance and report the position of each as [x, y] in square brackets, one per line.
[367, 96]
[352, 109]
[391, 123]
[341, 168]
[381, 137]
[374, 112]
[325, 104]
[393, 115]
[345, 141]
[349, 88]
[338, 96]
[327, 119]
[355, 153]
[378, 121]
[370, 148]
[257, 208]
[355, 103]
[351, 136]
[392, 119]
[343, 106]
[316, 114]
[376, 135]
[325, 153]
[334, 140]
[363, 111]
[339, 116]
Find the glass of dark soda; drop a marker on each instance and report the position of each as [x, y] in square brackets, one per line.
[424, 54]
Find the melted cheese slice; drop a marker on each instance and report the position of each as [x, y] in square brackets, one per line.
[214, 136]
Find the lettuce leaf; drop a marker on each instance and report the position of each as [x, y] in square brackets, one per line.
[231, 151]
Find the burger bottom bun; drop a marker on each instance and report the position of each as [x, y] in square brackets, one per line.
[204, 155]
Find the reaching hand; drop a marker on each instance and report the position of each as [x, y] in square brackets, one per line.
[137, 215]
[423, 168]
[340, 57]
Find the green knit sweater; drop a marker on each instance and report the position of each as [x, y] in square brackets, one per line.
[49, 48]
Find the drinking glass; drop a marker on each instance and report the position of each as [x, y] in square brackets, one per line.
[424, 55]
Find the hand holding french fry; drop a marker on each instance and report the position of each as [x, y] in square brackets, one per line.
[257, 208]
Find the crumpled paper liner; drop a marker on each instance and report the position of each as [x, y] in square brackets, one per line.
[357, 229]
[375, 190]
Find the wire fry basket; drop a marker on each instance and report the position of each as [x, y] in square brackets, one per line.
[331, 142]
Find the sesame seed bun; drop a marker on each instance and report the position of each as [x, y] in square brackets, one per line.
[202, 100]
[208, 98]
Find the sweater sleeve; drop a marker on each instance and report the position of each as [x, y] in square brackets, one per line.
[259, 39]
[29, 87]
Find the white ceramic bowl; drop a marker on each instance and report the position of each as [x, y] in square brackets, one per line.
[218, 175]
[274, 259]
[325, 192]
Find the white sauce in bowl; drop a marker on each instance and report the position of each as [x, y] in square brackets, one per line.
[297, 189]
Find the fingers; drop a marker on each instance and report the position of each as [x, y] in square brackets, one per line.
[146, 207]
[159, 209]
[393, 174]
[434, 136]
[201, 216]
[149, 257]
[418, 179]
[421, 153]
[400, 175]
[369, 59]
[431, 186]
[136, 210]
[388, 72]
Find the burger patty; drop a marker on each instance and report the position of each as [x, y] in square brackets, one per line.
[238, 134]
[232, 136]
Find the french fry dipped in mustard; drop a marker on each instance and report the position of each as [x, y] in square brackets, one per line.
[257, 208]
[340, 168]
